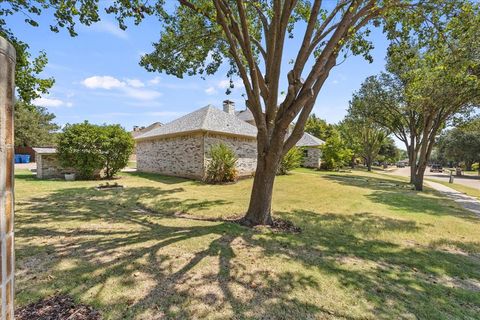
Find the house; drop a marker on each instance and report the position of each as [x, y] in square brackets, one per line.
[181, 147]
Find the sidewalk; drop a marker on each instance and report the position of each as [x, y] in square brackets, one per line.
[467, 202]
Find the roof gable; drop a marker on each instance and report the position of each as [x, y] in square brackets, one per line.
[207, 118]
[307, 140]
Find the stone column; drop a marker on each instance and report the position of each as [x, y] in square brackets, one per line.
[7, 71]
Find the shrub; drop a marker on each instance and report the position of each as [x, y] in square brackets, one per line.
[221, 167]
[476, 166]
[79, 148]
[89, 148]
[335, 154]
[291, 160]
[116, 147]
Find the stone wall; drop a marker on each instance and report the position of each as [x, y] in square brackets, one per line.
[7, 256]
[48, 167]
[180, 156]
[244, 148]
[312, 157]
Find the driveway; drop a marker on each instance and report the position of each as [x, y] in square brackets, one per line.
[471, 181]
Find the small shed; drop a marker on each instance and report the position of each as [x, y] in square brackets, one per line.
[48, 166]
[312, 154]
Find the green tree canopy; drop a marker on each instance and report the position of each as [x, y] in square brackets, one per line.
[34, 126]
[462, 144]
[318, 127]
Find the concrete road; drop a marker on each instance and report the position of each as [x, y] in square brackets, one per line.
[466, 180]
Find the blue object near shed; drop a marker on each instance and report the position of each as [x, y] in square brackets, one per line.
[22, 158]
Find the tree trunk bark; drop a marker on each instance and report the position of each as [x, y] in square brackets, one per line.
[369, 164]
[419, 178]
[260, 208]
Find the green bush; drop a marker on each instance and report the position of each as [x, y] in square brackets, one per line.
[335, 154]
[90, 148]
[222, 165]
[117, 146]
[291, 160]
[79, 148]
[476, 166]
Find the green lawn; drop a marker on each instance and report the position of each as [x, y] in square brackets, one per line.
[370, 249]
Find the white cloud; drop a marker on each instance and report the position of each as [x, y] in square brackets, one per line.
[51, 102]
[135, 83]
[103, 82]
[155, 80]
[141, 94]
[111, 28]
[129, 87]
[211, 90]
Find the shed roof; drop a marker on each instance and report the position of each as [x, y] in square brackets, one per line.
[45, 150]
[307, 140]
[207, 118]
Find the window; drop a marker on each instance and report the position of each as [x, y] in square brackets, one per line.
[305, 152]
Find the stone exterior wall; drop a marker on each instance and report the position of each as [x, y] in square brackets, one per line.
[244, 148]
[7, 256]
[48, 167]
[180, 156]
[312, 157]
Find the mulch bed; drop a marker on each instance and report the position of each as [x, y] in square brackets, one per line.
[61, 307]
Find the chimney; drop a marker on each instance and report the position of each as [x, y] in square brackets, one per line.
[136, 128]
[229, 107]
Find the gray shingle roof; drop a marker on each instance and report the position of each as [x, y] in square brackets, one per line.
[307, 140]
[245, 115]
[207, 118]
[146, 129]
[45, 150]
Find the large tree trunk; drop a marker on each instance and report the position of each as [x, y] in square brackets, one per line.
[260, 208]
[419, 178]
[412, 159]
[369, 164]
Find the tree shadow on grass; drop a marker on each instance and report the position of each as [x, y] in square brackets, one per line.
[162, 178]
[399, 196]
[129, 263]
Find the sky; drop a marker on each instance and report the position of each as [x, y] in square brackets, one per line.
[98, 78]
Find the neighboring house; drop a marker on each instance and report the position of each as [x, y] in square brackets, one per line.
[181, 147]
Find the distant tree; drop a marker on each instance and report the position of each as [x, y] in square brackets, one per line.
[335, 153]
[291, 160]
[34, 126]
[427, 87]
[362, 131]
[462, 144]
[389, 152]
[116, 148]
[318, 127]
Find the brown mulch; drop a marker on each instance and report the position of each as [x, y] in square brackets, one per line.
[60, 307]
